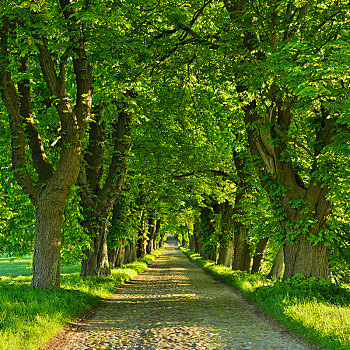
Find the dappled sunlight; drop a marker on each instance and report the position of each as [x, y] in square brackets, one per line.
[175, 305]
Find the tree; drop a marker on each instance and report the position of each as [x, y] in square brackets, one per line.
[29, 30]
[99, 191]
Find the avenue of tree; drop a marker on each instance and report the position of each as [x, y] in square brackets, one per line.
[226, 122]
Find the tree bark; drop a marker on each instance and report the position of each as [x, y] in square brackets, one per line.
[46, 260]
[151, 233]
[141, 246]
[116, 256]
[226, 254]
[226, 242]
[242, 252]
[96, 261]
[131, 251]
[259, 255]
[120, 260]
[277, 265]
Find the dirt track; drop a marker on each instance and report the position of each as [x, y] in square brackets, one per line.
[175, 305]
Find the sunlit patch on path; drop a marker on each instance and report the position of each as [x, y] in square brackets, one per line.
[175, 305]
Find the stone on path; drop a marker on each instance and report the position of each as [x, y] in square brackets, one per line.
[175, 305]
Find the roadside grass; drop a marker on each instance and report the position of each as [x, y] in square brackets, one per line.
[30, 317]
[316, 309]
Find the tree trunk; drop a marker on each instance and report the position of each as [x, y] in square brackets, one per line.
[162, 239]
[131, 251]
[112, 256]
[270, 143]
[96, 261]
[141, 246]
[192, 243]
[50, 186]
[151, 233]
[97, 201]
[116, 255]
[46, 260]
[226, 242]
[259, 255]
[156, 233]
[226, 254]
[277, 265]
[241, 258]
[120, 257]
[307, 259]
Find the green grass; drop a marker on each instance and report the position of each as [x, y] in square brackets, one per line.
[29, 317]
[316, 309]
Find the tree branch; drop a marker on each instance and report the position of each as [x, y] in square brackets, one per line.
[11, 101]
[41, 164]
[290, 139]
[216, 172]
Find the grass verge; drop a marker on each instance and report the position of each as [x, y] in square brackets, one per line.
[316, 309]
[29, 317]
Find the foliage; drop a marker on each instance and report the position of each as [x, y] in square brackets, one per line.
[29, 317]
[317, 309]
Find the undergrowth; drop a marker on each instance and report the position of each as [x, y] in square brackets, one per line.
[29, 317]
[319, 310]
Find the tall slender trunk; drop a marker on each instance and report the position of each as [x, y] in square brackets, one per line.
[242, 249]
[151, 233]
[226, 242]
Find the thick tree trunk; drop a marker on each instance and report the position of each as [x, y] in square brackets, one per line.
[96, 261]
[141, 246]
[131, 251]
[307, 259]
[242, 252]
[196, 238]
[192, 243]
[116, 255]
[50, 187]
[156, 233]
[112, 256]
[270, 143]
[259, 255]
[198, 245]
[120, 260]
[46, 260]
[226, 254]
[277, 265]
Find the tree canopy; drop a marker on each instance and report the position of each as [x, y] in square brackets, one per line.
[224, 121]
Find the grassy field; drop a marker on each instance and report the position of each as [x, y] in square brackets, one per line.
[316, 309]
[29, 317]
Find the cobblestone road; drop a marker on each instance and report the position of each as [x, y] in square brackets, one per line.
[175, 305]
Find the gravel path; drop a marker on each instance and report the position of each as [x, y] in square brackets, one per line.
[175, 305]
